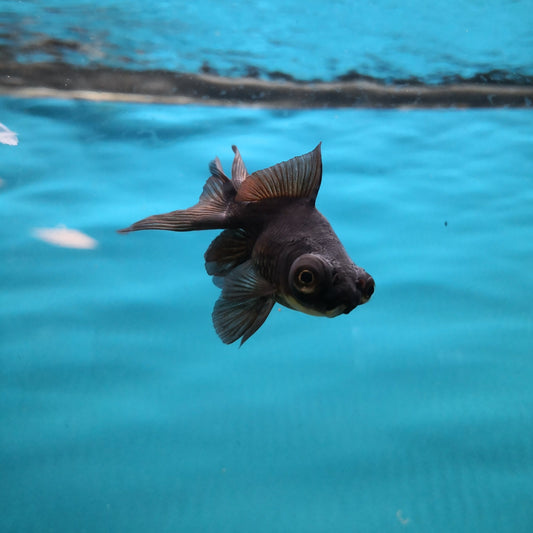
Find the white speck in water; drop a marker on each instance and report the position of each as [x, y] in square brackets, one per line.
[65, 237]
[7, 136]
[403, 520]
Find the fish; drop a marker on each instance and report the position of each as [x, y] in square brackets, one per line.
[275, 245]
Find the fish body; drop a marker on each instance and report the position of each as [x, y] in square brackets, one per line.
[275, 247]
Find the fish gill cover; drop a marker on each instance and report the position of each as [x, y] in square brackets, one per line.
[287, 55]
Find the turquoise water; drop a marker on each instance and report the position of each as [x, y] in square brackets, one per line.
[308, 40]
[123, 411]
[120, 408]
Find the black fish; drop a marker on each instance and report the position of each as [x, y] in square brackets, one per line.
[275, 247]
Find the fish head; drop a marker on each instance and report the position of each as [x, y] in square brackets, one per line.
[318, 286]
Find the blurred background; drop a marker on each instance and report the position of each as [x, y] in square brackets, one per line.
[121, 410]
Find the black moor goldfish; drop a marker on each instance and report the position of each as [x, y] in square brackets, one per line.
[275, 247]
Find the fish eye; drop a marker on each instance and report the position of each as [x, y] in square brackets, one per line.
[307, 273]
[306, 280]
[306, 277]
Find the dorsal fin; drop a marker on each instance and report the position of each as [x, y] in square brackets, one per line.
[298, 177]
[238, 169]
[215, 167]
[214, 191]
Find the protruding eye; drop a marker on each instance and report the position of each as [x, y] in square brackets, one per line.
[307, 273]
[306, 277]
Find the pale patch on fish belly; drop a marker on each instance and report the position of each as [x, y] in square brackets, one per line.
[292, 303]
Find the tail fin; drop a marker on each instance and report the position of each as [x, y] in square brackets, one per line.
[208, 213]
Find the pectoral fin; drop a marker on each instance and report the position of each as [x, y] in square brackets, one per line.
[246, 300]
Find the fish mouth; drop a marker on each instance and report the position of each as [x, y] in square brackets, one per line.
[365, 289]
[350, 307]
[366, 286]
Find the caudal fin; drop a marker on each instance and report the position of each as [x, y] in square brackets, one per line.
[208, 213]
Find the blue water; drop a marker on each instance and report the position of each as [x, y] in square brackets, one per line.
[123, 411]
[306, 39]
[120, 408]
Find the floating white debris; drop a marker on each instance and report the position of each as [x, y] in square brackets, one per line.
[65, 237]
[7, 136]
